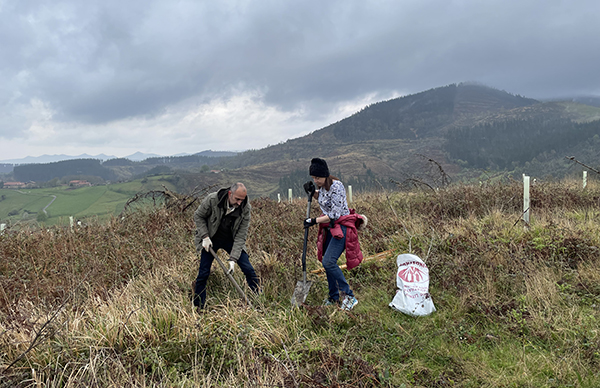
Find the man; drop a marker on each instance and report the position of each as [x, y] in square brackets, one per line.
[222, 221]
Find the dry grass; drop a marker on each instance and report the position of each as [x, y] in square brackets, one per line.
[518, 305]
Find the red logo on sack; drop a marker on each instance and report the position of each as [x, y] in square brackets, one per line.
[411, 274]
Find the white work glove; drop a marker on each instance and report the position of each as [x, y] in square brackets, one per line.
[231, 267]
[206, 244]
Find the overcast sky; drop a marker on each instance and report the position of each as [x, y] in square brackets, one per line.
[177, 76]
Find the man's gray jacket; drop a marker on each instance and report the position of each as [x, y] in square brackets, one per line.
[208, 217]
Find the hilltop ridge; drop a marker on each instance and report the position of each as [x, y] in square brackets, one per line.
[399, 139]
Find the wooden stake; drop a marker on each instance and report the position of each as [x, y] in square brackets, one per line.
[377, 256]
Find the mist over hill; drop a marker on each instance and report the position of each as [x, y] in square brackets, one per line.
[54, 158]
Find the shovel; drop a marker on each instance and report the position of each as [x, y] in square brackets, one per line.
[237, 286]
[302, 287]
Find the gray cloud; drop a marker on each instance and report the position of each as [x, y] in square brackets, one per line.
[89, 71]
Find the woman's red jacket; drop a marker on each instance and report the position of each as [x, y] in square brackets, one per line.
[354, 255]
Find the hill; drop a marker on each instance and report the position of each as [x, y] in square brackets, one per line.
[415, 117]
[454, 132]
[458, 129]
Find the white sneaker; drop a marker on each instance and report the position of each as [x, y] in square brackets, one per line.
[349, 303]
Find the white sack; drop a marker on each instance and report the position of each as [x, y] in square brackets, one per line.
[412, 279]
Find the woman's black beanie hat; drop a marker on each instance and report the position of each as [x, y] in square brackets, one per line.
[318, 168]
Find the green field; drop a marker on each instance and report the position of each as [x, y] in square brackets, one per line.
[18, 207]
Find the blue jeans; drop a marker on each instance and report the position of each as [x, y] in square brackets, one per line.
[206, 260]
[336, 281]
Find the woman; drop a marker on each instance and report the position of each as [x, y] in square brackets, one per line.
[337, 232]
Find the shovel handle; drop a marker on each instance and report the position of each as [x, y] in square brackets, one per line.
[237, 286]
[305, 240]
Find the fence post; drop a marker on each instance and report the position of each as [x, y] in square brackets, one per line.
[278, 198]
[349, 193]
[290, 195]
[71, 222]
[584, 179]
[2, 227]
[526, 200]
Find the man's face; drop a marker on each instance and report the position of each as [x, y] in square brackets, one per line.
[236, 198]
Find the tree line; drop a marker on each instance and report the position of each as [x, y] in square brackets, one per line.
[511, 143]
[75, 167]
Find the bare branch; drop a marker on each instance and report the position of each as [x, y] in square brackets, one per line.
[414, 181]
[170, 198]
[43, 331]
[578, 162]
[443, 176]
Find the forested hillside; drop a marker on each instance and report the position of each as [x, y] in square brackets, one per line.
[458, 130]
[114, 169]
[75, 167]
[501, 145]
[412, 118]
[424, 114]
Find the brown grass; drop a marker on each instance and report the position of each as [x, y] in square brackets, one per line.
[108, 304]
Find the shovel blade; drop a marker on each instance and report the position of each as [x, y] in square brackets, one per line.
[300, 293]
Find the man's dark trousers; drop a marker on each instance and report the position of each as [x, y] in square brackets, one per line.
[206, 260]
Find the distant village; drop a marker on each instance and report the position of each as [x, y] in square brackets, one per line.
[32, 184]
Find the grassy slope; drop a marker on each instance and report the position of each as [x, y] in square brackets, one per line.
[517, 306]
[20, 200]
[81, 203]
[583, 113]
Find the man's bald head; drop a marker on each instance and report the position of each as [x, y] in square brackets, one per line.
[237, 194]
